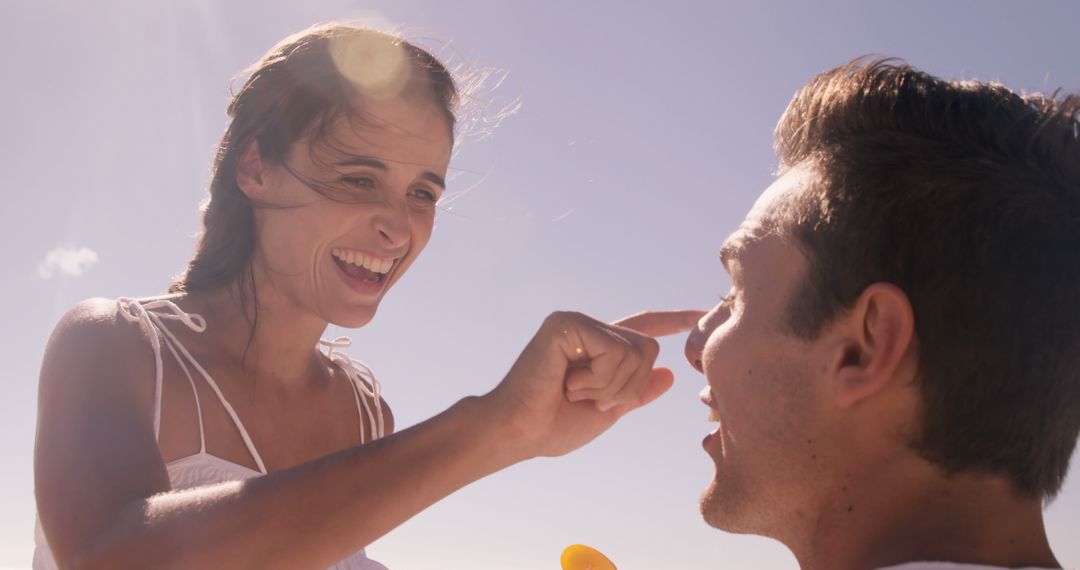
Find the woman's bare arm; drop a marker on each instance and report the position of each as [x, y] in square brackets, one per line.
[103, 490]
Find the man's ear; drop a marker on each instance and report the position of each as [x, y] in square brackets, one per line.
[251, 173]
[877, 333]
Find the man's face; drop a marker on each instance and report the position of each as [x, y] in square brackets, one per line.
[762, 387]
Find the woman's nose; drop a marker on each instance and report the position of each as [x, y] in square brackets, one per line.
[392, 224]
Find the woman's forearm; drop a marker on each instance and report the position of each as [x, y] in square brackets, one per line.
[550, 403]
[296, 518]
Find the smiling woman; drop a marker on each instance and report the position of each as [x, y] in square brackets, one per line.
[213, 428]
[308, 111]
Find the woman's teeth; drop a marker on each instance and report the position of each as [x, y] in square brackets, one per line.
[359, 259]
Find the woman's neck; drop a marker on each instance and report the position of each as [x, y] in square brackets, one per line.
[274, 339]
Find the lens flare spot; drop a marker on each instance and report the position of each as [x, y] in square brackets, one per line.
[377, 66]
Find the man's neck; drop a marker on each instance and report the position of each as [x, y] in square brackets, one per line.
[909, 511]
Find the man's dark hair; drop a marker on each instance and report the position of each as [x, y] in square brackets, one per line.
[966, 196]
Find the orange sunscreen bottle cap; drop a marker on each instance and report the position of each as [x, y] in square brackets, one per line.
[581, 557]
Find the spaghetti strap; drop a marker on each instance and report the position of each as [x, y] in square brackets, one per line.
[367, 391]
[145, 312]
[194, 393]
[359, 409]
[134, 311]
[366, 387]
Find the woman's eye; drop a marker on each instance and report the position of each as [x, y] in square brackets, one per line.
[726, 300]
[425, 195]
[358, 181]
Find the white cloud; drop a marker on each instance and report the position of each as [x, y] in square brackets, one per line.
[67, 260]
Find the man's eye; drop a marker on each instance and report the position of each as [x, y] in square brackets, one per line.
[726, 300]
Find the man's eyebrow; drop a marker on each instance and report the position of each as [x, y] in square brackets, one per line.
[730, 250]
[358, 160]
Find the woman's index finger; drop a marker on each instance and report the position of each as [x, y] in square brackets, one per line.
[661, 323]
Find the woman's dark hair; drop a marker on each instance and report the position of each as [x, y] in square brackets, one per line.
[967, 196]
[299, 89]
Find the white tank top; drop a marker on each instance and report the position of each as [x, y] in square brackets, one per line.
[203, 468]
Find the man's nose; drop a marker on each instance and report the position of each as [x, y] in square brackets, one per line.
[695, 342]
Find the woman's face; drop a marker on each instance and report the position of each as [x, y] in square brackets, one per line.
[336, 258]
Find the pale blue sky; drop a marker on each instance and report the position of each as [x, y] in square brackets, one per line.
[644, 136]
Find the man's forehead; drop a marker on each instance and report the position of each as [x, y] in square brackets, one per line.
[760, 221]
[791, 182]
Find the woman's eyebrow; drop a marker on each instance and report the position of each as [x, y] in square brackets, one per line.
[359, 160]
[434, 179]
[356, 160]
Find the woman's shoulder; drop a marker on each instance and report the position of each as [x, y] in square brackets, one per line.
[366, 375]
[103, 320]
[96, 321]
[356, 371]
[92, 321]
[95, 334]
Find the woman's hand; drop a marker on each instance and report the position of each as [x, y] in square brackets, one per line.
[577, 376]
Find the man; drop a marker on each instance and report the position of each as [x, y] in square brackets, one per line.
[896, 371]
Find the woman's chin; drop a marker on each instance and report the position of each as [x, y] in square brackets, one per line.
[352, 318]
[353, 322]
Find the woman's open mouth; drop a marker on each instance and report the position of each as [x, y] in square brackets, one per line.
[361, 271]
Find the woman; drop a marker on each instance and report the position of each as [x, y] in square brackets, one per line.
[207, 429]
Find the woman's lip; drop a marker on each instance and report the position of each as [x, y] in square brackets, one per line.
[362, 286]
